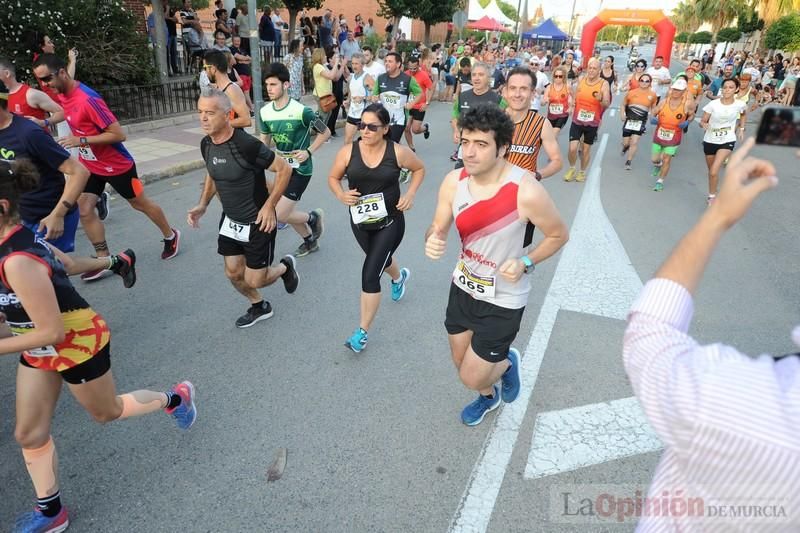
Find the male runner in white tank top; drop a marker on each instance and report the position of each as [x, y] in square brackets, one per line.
[494, 205]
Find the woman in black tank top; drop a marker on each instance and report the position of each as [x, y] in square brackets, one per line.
[376, 204]
[608, 73]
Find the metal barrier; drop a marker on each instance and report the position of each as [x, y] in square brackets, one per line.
[142, 103]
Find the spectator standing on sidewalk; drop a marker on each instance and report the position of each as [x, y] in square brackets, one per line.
[280, 25]
[266, 34]
[243, 27]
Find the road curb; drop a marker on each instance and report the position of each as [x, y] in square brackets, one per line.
[171, 171]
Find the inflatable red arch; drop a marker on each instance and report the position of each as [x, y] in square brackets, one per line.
[624, 17]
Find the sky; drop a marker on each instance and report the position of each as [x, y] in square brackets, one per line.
[563, 8]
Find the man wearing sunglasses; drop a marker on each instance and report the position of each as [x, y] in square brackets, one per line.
[98, 136]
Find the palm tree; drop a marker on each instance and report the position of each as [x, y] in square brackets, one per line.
[772, 10]
[685, 18]
[719, 13]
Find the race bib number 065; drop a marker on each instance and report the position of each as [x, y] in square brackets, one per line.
[477, 286]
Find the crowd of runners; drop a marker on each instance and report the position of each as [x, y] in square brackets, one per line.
[506, 113]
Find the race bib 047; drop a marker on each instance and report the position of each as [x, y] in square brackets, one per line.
[235, 230]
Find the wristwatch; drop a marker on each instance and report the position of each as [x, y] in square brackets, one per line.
[537, 175]
[83, 141]
[529, 266]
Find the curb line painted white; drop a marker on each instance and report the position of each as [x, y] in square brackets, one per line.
[582, 436]
[475, 508]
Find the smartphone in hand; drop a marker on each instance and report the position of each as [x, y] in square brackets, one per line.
[780, 126]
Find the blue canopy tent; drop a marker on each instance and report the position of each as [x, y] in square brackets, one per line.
[547, 31]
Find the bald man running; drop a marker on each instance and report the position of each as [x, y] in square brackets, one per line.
[592, 97]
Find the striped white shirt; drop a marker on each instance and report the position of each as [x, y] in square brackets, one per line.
[730, 423]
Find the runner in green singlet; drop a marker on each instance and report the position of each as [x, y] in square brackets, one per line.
[288, 124]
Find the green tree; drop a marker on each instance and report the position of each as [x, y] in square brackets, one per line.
[701, 37]
[772, 10]
[784, 33]
[508, 10]
[294, 7]
[729, 35]
[112, 51]
[393, 10]
[718, 13]
[432, 12]
[748, 21]
[682, 37]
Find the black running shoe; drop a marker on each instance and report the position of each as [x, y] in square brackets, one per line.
[253, 316]
[290, 277]
[102, 206]
[427, 132]
[317, 228]
[125, 267]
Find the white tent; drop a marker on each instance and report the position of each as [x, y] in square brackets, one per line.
[494, 11]
[474, 10]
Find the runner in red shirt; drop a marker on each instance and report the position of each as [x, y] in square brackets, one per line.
[98, 136]
[417, 112]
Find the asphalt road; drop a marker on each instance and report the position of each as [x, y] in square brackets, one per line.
[374, 440]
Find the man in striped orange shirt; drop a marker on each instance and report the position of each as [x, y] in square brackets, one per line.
[531, 130]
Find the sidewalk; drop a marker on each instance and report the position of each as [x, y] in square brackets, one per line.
[171, 147]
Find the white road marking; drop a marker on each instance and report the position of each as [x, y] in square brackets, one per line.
[588, 435]
[594, 275]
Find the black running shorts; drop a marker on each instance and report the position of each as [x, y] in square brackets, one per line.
[85, 372]
[493, 328]
[589, 133]
[396, 132]
[297, 186]
[559, 122]
[258, 253]
[417, 114]
[126, 184]
[354, 121]
[712, 149]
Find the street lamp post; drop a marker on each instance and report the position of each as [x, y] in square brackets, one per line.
[572, 20]
[255, 54]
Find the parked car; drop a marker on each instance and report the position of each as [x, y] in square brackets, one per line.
[608, 45]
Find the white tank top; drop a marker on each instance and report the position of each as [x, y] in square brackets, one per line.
[491, 232]
[357, 88]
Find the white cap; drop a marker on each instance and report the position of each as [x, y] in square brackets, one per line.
[679, 84]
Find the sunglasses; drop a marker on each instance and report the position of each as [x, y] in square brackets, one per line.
[370, 127]
[47, 79]
[559, 76]
[645, 81]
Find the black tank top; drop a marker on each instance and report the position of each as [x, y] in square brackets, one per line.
[384, 178]
[610, 79]
[23, 241]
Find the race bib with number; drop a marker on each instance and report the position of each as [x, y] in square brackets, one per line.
[235, 230]
[86, 153]
[369, 209]
[556, 109]
[633, 125]
[290, 158]
[585, 116]
[721, 133]
[477, 286]
[665, 135]
[391, 101]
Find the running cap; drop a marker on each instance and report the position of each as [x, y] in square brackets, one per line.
[679, 84]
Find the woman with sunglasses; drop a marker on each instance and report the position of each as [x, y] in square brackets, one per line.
[60, 338]
[635, 109]
[558, 100]
[633, 80]
[372, 165]
[723, 119]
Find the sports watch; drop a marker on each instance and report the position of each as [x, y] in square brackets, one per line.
[529, 266]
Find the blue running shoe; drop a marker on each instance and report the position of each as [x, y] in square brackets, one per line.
[473, 414]
[399, 288]
[186, 413]
[35, 522]
[357, 341]
[510, 378]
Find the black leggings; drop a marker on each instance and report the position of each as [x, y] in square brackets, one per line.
[379, 245]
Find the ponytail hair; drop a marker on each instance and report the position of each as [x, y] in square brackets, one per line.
[16, 178]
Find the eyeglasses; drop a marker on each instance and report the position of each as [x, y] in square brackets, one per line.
[47, 79]
[370, 127]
